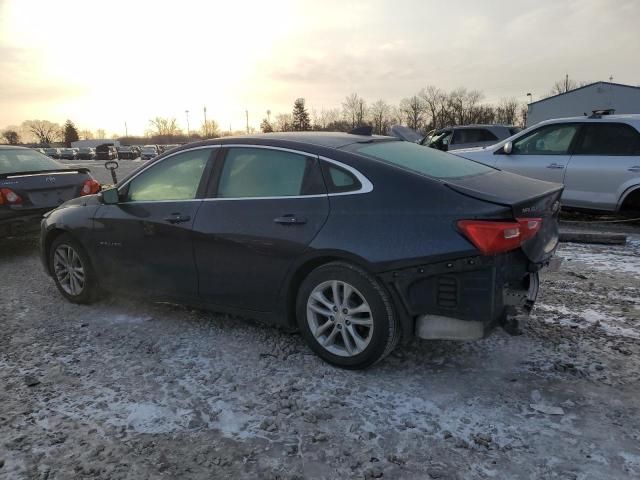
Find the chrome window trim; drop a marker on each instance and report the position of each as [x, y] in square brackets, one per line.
[366, 185]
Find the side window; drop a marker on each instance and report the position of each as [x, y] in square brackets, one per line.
[608, 139]
[473, 135]
[548, 140]
[176, 178]
[259, 172]
[338, 179]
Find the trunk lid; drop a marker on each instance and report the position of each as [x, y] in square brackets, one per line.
[527, 198]
[45, 189]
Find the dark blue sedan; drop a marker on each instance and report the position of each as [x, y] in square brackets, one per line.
[357, 240]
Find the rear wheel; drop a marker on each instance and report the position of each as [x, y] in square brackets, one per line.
[346, 316]
[72, 271]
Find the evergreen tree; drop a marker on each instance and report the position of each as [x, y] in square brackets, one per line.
[301, 121]
[265, 126]
[70, 133]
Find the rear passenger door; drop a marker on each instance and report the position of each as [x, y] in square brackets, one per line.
[605, 162]
[543, 153]
[265, 207]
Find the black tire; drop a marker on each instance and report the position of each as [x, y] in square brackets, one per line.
[386, 329]
[90, 291]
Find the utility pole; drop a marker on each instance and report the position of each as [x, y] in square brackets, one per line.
[126, 130]
[247, 114]
[188, 131]
[566, 83]
[269, 116]
[206, 129]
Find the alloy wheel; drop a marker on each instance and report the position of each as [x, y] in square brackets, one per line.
[340, 318]
[69, 270]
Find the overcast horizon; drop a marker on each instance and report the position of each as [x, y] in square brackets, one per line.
[135, 60]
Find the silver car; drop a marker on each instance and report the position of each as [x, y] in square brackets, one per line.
[597, 158]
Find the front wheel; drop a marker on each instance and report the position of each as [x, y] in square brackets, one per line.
[346, 316]
[72, 271]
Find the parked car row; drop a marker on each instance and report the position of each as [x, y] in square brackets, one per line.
[106, 152]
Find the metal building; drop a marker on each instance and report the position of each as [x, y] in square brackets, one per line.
[583, 100]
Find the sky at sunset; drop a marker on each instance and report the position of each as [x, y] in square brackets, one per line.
[101, 63]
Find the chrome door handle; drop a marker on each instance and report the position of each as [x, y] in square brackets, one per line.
[555, 165]
[635, 168]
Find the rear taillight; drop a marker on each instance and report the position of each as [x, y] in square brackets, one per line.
[529, 227]
[496, 237]
[9, 197]
[90, 187]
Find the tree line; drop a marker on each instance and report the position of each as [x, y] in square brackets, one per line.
[41, 131]
[430, 108]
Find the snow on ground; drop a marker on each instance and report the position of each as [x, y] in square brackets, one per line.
[127, 389]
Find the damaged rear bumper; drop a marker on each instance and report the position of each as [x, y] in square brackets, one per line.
[465, 299]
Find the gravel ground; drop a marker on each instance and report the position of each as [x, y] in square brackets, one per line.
[128, 389]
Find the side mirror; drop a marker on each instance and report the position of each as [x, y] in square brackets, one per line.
[508, 148]
[110, 196]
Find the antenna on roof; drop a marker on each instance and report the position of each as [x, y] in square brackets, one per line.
[365, 130]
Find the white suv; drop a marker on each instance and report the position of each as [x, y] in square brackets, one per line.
[596, 157]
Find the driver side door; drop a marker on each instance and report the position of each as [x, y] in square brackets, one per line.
[144, 242]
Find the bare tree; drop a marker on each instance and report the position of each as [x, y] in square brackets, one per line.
[327, 117]
[461, 105]
[284, 122]
[379, 112]
[354, 109]
[100, 133]
[435, 100]
[85, 134]
[507, 111]
[164, 126]
[566, 85]
[413, 110]
[44, 130]
[210, 129]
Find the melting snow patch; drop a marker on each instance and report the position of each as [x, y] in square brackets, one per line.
[620, 259]
[610, 324]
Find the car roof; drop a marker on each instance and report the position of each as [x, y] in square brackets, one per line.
[629, 118]
[321, 139]
[13, 147]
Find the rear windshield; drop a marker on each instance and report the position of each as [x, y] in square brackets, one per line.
[423, 160]
[19, 160]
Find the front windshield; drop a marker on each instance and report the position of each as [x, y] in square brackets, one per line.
[423, 160]
[24, 160]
